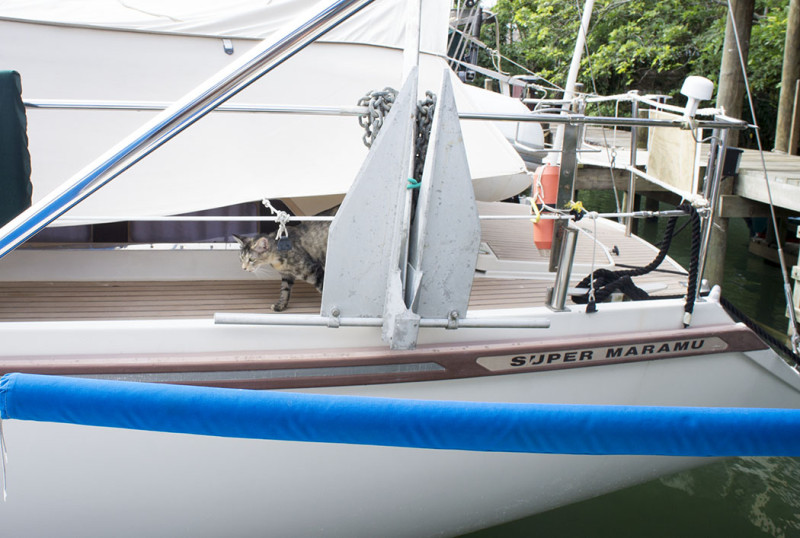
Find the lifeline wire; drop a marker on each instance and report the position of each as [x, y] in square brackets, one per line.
[787, 289]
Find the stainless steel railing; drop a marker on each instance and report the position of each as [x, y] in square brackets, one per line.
[193, 106]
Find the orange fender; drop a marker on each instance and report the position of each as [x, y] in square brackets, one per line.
[545, 191]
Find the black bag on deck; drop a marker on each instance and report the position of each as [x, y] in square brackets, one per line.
[15, 161]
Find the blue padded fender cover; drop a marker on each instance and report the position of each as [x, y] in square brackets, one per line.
[479, 426]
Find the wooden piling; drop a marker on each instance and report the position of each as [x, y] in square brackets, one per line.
[730, 94]
[789, 77]
[718, 243]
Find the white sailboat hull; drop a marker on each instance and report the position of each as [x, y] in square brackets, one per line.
[97, 481]
[67, 480]
[102, 481]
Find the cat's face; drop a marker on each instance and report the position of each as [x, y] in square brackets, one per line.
[254, 252]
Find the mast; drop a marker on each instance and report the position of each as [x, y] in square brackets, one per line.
[572, 78]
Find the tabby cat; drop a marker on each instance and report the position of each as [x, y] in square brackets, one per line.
[304, 259]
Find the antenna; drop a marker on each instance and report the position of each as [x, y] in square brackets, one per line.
[696, 89]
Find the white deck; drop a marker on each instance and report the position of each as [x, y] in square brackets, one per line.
[512, 273]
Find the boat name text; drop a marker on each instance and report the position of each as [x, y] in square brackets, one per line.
[587, 356]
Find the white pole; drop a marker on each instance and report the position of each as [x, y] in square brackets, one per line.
[411, 50]
[572, 77]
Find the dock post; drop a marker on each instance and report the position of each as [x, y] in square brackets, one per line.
[712, 189]
[651, 204]
[787, 112]
[718, 242]
[731, 91]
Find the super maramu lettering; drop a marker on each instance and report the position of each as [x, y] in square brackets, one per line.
[611, 353]
[538, 360]
[550, 358]
[535, 360]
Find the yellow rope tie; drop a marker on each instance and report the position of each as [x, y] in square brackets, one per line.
[576, 206]
[577, 210]
[535, 211]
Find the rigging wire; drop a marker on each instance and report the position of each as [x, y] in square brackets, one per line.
[610, 154]
[488, 49]
[468, 30]
[787, 289]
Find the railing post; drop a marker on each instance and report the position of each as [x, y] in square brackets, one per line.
[558, 299]
[629, 206]
[566, 185]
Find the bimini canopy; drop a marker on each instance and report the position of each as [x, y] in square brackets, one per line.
[151, 53]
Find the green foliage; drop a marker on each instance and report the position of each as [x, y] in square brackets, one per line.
[639, 44]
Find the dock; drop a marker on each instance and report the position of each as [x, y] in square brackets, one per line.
[606, 150]
[606, 155]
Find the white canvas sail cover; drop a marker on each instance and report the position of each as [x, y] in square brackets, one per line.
[148, 51]
[380, 23]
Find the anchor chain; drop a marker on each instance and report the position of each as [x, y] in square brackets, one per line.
[425, 110]
[379, 103]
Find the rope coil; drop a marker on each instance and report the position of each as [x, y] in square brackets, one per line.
[604, 282]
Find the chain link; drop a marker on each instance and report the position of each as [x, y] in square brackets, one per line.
[379, 103]
[425, 110]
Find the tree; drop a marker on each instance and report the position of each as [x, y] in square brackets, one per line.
[642, 44]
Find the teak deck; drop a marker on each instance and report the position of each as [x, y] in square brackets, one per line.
[509, 241]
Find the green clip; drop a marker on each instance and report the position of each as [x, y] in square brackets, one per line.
[412, 183]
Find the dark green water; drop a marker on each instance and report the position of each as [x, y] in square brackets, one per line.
[737, 497]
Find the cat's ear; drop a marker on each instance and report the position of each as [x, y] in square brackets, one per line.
[239, 240]
[261, 244]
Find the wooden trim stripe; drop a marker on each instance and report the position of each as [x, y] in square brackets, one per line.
[309, 368]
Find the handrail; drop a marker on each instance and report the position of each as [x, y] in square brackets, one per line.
[99, 219]
[225, 318]
[580, 119]
[576, 119]
[78, 104]
[694, 198]
[197, 103]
